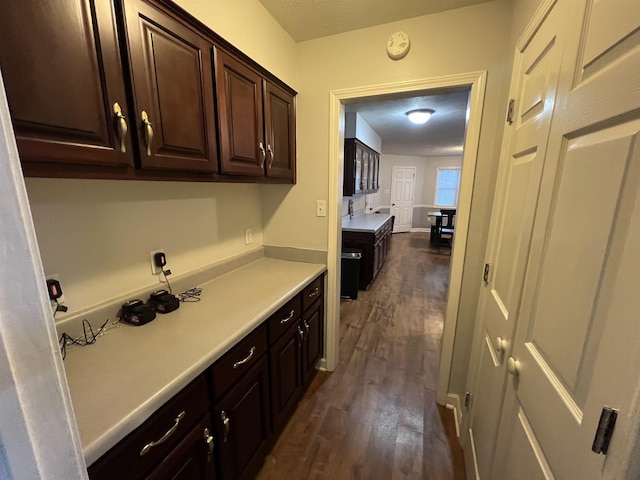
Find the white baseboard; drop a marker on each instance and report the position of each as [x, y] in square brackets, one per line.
[423, 230]
[453, 403]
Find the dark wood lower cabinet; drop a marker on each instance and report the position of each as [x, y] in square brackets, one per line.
[243, 426]
[192, 459]
[222, 425]
[286, 374]
[374, 246]
[313, 344]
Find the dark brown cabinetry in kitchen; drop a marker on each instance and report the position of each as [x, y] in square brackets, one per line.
[361, 168]
[374, 246]
[296, 334]
[175, 440]
[257, 121]
[171, 76]
[65, 84]
[241, 415]
[126, 89]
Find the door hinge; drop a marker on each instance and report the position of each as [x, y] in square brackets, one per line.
[605, 430]
[485, 274]
[510, 111]
[467, 400]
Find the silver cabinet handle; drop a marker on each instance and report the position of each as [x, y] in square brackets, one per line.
[148, 131]
[227, 425]
[122, 126]
[285, 320]
[209, 442]
[306, 326]
[271, 156]
[300, 332]
[314, 293]
[165, 437]
[263, 155]
[246, 359]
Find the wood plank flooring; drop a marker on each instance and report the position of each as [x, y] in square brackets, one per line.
[376, 416]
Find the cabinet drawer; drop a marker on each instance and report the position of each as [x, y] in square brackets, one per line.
[228, 370]
[171, 422]
[284, 318]
[312, 292]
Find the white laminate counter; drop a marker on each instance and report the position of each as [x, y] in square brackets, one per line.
[365, 223]
[118, 382]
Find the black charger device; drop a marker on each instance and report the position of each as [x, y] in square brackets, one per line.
[163, 302]
[136, 312]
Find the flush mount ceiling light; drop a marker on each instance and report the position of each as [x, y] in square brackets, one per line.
[420, 116]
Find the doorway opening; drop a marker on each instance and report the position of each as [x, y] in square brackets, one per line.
[339, 99]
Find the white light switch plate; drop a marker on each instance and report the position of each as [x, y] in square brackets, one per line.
[321, 208]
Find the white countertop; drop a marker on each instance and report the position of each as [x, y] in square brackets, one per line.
[118, 382]
[369, 223]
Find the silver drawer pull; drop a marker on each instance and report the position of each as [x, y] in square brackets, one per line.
[209, 441]
[246, 359]
[285, 320]
[227, 425]
[301, 332]
[306, 326]
[165, 437]
[314, 293]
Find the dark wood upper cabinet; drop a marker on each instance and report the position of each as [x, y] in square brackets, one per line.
[361, 168]
[173, 91]
[63, 75]
[257, 122]
[139, 89]
[239, 92]
[280, 122]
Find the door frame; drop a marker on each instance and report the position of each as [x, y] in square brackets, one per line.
[413, 191]
[476, 81]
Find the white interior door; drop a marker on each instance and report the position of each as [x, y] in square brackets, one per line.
[402, 190]
[534, 83]
[575, 349]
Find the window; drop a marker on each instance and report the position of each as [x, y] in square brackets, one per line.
[447, 187]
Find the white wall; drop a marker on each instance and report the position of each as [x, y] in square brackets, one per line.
[97, 234]
[357, 127]
[457, 41]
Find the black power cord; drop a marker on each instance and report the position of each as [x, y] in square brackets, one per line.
[191, 295]
[166, 280]
[89, 337]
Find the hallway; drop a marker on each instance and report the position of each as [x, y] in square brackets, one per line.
[375, 417]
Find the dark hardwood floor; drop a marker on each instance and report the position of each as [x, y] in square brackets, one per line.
[376, 416]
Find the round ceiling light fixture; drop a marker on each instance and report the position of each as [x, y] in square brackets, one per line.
[420, 116]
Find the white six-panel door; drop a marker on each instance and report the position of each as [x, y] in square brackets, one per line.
[534, 83]
[402, 189]
[576, 325]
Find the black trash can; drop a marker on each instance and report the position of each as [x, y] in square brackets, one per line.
[350, 277]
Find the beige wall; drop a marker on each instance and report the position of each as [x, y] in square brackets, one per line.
[98, 234]
[458, 41]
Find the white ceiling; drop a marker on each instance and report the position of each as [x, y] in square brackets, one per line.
[442, 135]
[309, 19]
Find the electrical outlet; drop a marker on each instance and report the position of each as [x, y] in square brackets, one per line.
[56, 276]
[155, 270]
[321, 208]
[248, 236]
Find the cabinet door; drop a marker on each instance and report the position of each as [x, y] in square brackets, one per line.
[173, 90]
[280, 132]
[358, 169]
[62, 72]
[239, 92]
[313, 345]
[366, 178]
[242, 424]
[375, 172]
[286, 374]
[192, 459]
